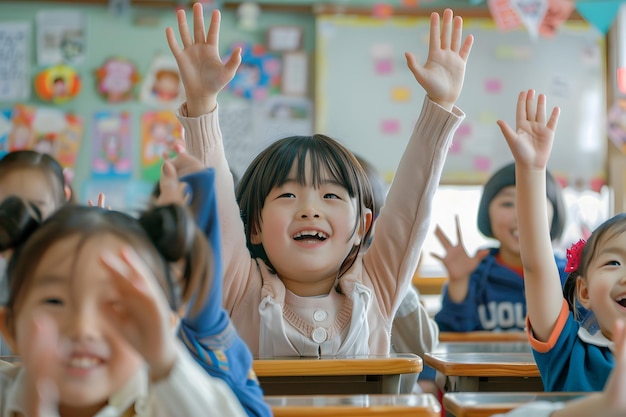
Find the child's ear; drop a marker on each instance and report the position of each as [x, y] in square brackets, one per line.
[582, 292]
[7, 330]
[367, 223]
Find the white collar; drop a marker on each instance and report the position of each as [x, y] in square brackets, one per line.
[596, 339]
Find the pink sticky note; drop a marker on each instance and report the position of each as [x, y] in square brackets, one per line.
[482, 163]
[621, 80]
[493, 85]
[383, 66]
[390, 126]
[463, 131]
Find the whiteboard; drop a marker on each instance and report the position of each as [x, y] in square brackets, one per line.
[367, 98]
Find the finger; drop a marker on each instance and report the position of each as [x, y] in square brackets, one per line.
[554, 119]
[507, 132]
[446, 29]
[126, 276]
[541, 109]
[198, 23]
[443, 239]
[213, 37]
[172, 42]
[459, 234]
[520, 112]
[415, 68]
[233, 62]
[457, 34]
[101, 200]
[435, 41]
[530, 105]
[437, 257]
[90, 203]
[467, 47]
[183, 28]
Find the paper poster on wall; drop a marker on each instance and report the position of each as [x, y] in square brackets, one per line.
[111, 144]
[162, 85]
[61, 37]
[159, 131]
[5, 128]
[259, 74]
[616, 121]
[46, 130]
[14, 61]
[128, 196]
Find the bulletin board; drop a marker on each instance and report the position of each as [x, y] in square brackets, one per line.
[367, 98]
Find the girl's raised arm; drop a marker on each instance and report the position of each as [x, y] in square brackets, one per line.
[531, 144]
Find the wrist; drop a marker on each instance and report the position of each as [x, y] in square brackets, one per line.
[199, 106]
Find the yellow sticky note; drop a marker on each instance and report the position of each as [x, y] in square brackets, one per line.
[400, 94]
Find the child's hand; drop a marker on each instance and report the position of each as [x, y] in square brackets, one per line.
[41, 359]
[443, 73]
[202, 71]
[99, 203]
[142, 315]
[184, 163]
[172, 191]
[457, 262]
[532, 141]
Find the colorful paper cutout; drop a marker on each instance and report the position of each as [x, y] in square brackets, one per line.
[116, 79]
[504, 15]
[162, 85]
[259, 74]
[482, 164]
[46, 130]
[159, 131]
[531, 13]
[558, 12]
[621, 80]
[111, 145]
[600, 13]
[616, 124]
[57, 84]
[382, 10]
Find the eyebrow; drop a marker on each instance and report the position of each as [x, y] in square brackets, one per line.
[322, 182]
[49, 280]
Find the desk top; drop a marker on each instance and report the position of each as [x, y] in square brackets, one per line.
[402, 363]
[476, 364]
[483, 336]
[484, 347]
[484, 404]
[397, 405]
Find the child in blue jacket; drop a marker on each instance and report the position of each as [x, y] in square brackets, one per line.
[486, 292]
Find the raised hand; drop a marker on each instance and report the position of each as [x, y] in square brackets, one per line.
[444, 71]
[532, 140]
[171, 190]
[615, 388]
[202, 71]
[142, 314]
[456, 260]
[99, 203]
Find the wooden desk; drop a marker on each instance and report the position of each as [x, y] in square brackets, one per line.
[374, 405]
[483, 336]
[497, 366]
[485, 404]
[335, 375]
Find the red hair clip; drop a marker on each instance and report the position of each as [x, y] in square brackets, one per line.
[574, 253]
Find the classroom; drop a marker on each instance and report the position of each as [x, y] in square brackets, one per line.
[94, 84]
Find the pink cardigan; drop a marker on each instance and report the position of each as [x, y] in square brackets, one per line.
[386, 268]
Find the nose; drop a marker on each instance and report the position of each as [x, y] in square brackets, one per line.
[82, 323]
[308, 209]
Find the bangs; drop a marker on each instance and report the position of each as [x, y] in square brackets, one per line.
[328, 161]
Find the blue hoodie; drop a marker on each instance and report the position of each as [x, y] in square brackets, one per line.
[210, 336]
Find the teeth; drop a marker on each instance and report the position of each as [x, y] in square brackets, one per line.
[83, 362]
[311, 233]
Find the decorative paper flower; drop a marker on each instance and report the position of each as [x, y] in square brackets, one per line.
[116, 79]
[574, 253]
[58, 84]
